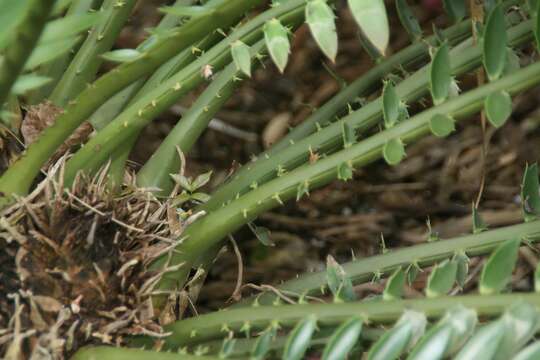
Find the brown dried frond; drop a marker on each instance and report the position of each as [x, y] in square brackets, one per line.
[74, 265]
[39, 117]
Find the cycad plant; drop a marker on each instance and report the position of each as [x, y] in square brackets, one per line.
[93, 257]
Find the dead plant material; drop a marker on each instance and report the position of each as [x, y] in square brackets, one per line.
[74, 264]
[41, 116]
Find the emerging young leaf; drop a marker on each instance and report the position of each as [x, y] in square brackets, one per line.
[343, 340]
[440, 75]
[277, 42]
[394, 285]
[227, 347]
[530, 197]
[393, 151]
[241, 57]
[497, 271]
[299, 338]
[339, 282]
[442, 278]
[408, 329]
[498, 107]
[442, 125]
[408, 20]
[321, 21]
[371, 16]
[456, 9]
[495, 41]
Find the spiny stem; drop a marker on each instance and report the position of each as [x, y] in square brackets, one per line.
[55, 70]
[97, 151]
[165, 161]
[19, 177]
[22, 43]
[84, 67]
[209, 230]
[423, 255]
[115, 353]
[211, 326]
[464, 58]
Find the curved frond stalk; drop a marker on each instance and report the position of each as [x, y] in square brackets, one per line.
[165, 161]
[85, 65]
[98, 150]
[207, 327]
[19, 177]
[423, 255]
[115, 353]
[209, 230]
[22, 43]
[56, 69]
[465, 57]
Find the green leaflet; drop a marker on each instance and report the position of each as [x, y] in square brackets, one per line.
[338, 281]
[49, 51]
[537, 278]
[495, 40]
[227, 347]
[521, 322]
[345, 171]
[299, 339]
[29, 82]
[68, 26]
[302, 189]
[408, 329]
[393, 151]
[185, 11]
[456, 9]
[262, 234]
[11, 12]
[498, 107]
[442, 125]
[497, 271]
[477, 222]
[262, 345]
[321, 21]
[445, 337]
[343, 340]
[462, 261]
[391, 105]
[442, 278]
[408, 20]
[394, 285]
[530, 197]
[531, 352]
[537, 25]
[241, 57]
[440, 75]
[483, 345]
[371, 16]
[349, 136]
[122, 55]
[277, 43]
